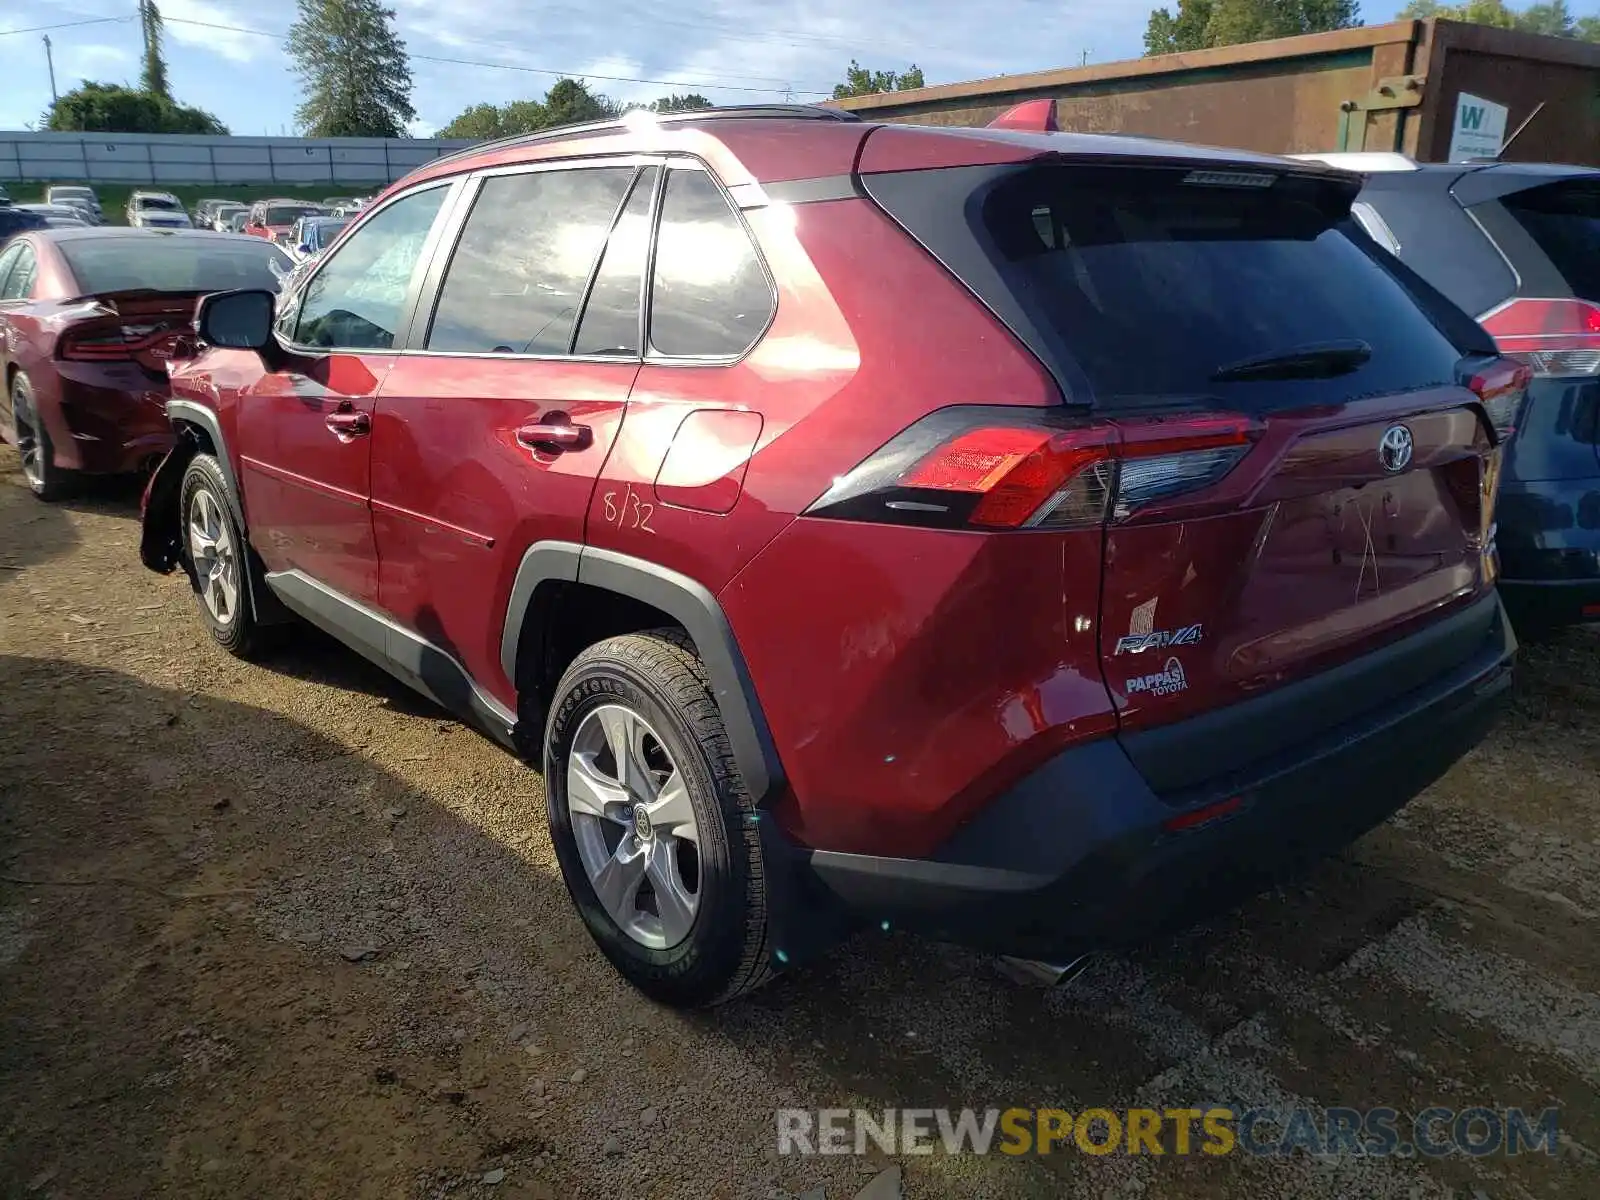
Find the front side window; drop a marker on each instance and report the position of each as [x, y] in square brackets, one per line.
[710, 297]
[523, 261]
[355, 301]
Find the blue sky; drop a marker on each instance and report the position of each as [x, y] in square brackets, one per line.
[731, 50]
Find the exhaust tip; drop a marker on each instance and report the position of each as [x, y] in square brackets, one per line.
[1040, 973]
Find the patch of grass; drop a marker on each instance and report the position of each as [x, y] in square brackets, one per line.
[114, 196]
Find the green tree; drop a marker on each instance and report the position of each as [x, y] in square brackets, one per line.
[481, 122]
[1200, 24]
[858, 81]
[154, 76]
[569, 102]
[113, 108]
[353, 69]
[1169, 34]
[692, 102]
[1552, 18]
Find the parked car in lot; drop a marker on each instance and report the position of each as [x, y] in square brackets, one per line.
[58, 216]
[310, 236]
[1518, 245]
[14, 220]
[272, 219]
[236, 222]
[1145, 557]
[79, 196]
[205, 211]
[222, 216]
[156, 210]
[89, 318]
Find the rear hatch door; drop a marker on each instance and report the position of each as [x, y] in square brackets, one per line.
[1334, 495]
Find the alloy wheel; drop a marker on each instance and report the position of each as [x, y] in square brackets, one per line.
[634, 826]
[211, 548]
[25, 426]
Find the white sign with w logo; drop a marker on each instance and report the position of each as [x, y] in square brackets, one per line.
[1480, 128]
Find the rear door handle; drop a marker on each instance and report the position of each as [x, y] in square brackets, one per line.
[349, 424]
[556, 433]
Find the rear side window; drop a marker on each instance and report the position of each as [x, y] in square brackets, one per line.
[1564, 219]
[523, 261]
[610, 323]
[18, 281]
[710, 297]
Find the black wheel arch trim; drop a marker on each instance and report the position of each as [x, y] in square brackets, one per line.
[179, 411]
[685, 601]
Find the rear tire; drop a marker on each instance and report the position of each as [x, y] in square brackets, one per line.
[694, 850]
[45, 480]
[218, 559]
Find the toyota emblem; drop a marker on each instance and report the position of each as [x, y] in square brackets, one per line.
[1394, 449]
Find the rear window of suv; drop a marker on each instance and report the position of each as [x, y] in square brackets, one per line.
[1150, 282]
[1564, 218]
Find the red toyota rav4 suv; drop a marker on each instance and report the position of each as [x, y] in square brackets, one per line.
[1021, 538]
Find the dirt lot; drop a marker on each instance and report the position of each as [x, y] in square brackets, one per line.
[193, 851]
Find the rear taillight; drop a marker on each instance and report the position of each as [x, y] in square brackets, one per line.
[119, 343]
[1554, 337]
[99, 346]
[1502, 385]
[998, 468]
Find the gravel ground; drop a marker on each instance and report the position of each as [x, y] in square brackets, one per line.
[286, 930]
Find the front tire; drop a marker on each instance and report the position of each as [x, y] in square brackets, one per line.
[45, 480]
[218, 559]
[651, 823]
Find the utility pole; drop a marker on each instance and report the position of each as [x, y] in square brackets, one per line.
[51, 63]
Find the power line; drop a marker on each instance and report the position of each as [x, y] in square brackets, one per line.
[468, 62]
[64, 25]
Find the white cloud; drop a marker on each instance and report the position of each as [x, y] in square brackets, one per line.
[733, 51]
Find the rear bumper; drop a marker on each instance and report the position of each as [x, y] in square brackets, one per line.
[1548, 604]
[112, 419]
[1083, 854]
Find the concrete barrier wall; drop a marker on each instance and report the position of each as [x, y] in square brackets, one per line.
[180, 159]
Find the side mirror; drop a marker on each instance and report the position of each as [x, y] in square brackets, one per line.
[305, 248]
[239, 320]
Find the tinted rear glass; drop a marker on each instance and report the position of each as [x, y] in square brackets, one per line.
[1564, 218]
[171, 264]
[1156, 283]
[288, 214]
[158, 202]
[1141, 285]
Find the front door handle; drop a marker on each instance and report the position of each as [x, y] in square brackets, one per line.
[349, 424]
[555, 434]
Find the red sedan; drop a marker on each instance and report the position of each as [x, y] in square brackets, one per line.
[88, 321]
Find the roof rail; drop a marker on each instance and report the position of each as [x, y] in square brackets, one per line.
[804, 112]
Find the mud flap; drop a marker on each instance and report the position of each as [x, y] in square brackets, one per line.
[161, 538]
[804, 920]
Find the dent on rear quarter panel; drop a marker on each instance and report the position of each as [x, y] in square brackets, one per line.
[908, 675]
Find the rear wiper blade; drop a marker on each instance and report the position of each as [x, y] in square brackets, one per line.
[1314, 360]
